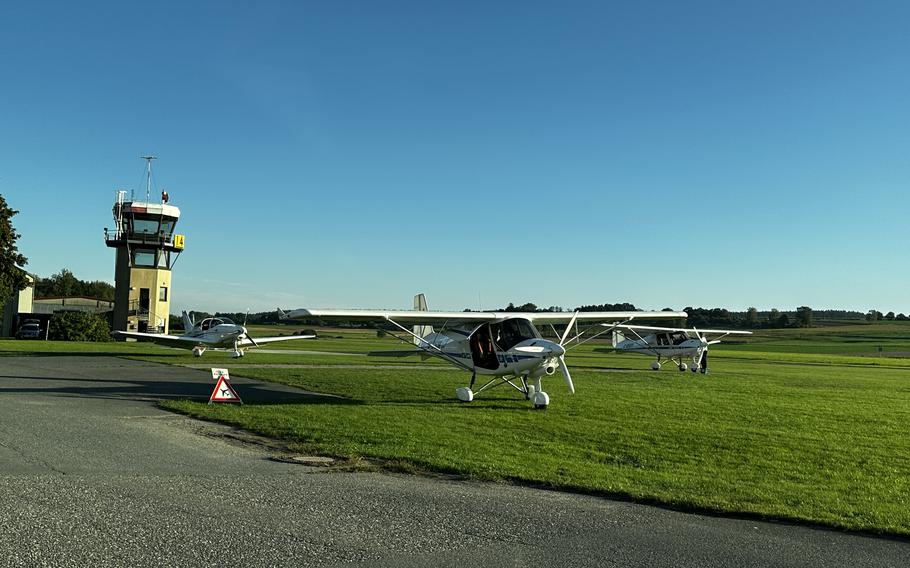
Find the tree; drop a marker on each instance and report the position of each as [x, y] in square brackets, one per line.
[79, 326]
[751, 317]
[12, 277]
[874, 315]
[529, 307]
[64, 283]
[889, 316]
[774, 317]
[804, 316]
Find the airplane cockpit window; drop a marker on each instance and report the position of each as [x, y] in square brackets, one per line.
[511, 332]
[663, 339]
[678, 337]
[209, 323]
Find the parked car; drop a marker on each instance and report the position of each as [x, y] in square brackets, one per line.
[29, 330]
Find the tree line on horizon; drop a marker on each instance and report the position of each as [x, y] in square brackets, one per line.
[752, 318]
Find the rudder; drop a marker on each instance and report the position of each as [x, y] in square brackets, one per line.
[420, 305]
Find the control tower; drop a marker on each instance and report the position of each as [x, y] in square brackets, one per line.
[147, 249]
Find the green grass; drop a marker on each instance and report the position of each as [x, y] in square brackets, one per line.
[812, 435]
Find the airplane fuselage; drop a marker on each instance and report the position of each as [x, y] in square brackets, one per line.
[531, 357]
[689, 347]
[221, 335]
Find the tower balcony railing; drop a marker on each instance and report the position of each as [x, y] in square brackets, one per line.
[146, 320]
[144, 238]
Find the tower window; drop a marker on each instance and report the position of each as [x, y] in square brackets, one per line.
[144, 257]
[162, 294]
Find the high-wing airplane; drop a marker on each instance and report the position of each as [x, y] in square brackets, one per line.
[670, 343]
[210, 333]
[504, 346]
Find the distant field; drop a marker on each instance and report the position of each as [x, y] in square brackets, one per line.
[796, 424]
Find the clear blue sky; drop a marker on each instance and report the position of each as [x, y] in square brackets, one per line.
[350, 154]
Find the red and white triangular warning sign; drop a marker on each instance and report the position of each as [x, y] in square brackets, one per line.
[223, 392]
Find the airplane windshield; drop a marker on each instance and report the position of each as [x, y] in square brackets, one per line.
[212, 322]
[510, 332]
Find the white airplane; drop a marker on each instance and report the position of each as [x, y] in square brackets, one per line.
[670, 343]
[210, 333]
[504, 346]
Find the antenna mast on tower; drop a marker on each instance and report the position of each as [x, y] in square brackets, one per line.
[148, 183]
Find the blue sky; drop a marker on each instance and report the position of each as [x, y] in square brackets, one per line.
[350, 154]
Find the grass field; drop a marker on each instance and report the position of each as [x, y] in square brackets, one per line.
[807, 425]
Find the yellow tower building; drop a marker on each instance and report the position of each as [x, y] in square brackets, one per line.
[147, 248]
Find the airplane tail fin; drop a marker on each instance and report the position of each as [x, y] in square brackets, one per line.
[188, 322]
[282, 315]
[618, 337]
[420, 305]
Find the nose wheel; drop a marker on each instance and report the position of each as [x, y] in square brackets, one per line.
[540, 400]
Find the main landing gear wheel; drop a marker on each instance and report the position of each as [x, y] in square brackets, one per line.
[541, 400]
[655, 366]
[464, 394]
[683, 367]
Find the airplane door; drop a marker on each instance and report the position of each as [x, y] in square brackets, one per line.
[482, 351]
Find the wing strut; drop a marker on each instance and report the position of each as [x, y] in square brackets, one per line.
[423, 345]
[578, 336]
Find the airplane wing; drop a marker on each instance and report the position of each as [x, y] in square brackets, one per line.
[699, 330]
[169, 340]
[591, 317]
[406, 317]
[261, 340]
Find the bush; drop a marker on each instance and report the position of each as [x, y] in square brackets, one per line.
[79, 326]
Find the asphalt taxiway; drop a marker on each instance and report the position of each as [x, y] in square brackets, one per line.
[92, 473]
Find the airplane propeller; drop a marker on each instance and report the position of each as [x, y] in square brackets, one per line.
[247, 335]
[562, 359]
[703, 350]
[565, 373]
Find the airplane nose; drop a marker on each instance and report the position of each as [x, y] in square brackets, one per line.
[557, 350]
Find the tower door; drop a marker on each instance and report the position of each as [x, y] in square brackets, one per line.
[143, 311]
